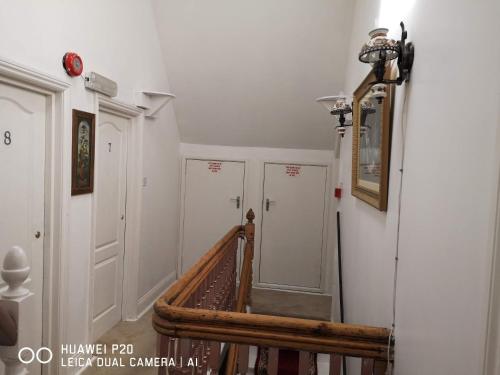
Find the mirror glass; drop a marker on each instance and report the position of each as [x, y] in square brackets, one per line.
[370, 142]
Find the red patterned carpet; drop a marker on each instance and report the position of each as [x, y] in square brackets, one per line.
[288, 362]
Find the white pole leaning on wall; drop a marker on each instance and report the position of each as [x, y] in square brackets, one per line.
[15, 309]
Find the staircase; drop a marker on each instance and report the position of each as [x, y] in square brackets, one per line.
[203, 316]
[204, 325]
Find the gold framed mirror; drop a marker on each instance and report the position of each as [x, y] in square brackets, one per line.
[371, 142]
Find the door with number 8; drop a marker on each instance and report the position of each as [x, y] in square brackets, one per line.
[22, 165]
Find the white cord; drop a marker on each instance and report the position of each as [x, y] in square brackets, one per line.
[404, 115]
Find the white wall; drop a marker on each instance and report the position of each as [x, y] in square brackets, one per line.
[160, 207]
[255, 158]
[119, 40]
[449, 189]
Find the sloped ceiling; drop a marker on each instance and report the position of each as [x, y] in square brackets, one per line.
[246, 73]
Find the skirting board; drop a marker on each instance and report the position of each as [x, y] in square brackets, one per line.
[147, 301]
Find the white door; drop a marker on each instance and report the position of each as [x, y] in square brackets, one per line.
[22, 169]
[110, 195]
[293, 218]
[213, 204]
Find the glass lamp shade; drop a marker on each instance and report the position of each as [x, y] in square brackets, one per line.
[379, 47]
[336, 105]
[378, 91]
[341, 130]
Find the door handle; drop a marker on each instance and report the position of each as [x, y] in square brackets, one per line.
[238, 201]
[269, 202]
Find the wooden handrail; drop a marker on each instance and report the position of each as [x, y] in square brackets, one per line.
[274, 331]
[176, 316]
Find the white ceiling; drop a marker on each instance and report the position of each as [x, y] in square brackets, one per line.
[246, 73]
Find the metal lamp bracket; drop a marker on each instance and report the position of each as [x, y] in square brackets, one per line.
[404, 62]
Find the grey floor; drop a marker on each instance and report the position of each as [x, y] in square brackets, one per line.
[264, 301]
[292, 304]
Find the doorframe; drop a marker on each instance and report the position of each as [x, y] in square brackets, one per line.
[325, 251]
[133, 203]
[184, 160]
[490, 360]
[56, 201]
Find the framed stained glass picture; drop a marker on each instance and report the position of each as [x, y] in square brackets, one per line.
[82, 164]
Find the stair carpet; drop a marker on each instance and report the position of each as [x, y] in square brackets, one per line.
[292, 304]
[323, 362]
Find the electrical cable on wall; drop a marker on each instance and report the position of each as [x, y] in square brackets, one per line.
[404, 114]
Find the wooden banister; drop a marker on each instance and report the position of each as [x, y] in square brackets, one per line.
[264, 330]
[193, 273]
[245, 287]
[203, 309]
[246, 269]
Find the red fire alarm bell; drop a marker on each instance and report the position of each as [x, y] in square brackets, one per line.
[338, 192]
[73, 64]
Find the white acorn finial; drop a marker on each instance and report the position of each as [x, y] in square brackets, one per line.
[15, 271]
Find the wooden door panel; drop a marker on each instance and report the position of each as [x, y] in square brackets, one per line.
[210, 205]
[109, 199]
[22, 192]
[110, 196]
[105, 276]
[293, 225]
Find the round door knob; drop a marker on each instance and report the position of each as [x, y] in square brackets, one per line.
[123, 217]
[37, 234]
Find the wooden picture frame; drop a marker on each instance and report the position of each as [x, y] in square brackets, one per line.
[82, 158]
[371, 143]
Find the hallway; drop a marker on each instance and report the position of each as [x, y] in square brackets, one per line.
[295, 176]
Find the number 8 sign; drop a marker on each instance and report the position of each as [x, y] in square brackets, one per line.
[7, 138]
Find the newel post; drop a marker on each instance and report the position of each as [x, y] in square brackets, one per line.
[249, 250]
[15, 310]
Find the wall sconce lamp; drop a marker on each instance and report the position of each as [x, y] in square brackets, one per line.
[379, 50]
[337, 106]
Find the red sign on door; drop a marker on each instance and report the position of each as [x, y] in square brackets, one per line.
[293, 170]
[214, 166]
